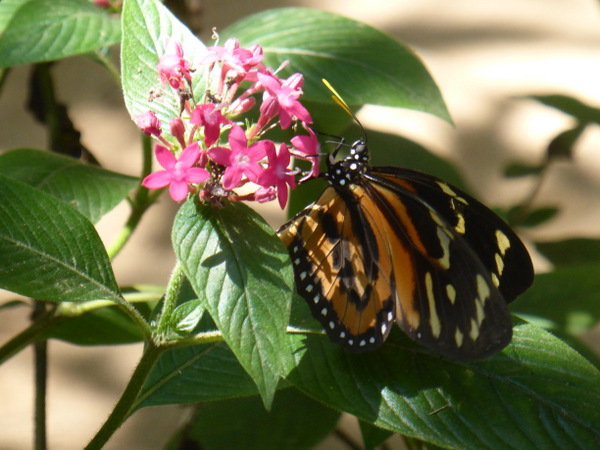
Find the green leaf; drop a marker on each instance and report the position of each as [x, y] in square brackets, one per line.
[537, 393]
[362, 63]
[49, 250]
[185, 317]
[104, 326]
[571, 106]
[571, 251]
[294, 422]
[93, 191]
[200, 373]
[566, 299]
[241, 271]
[47, 30]
[7, 11]
[562, 145]
[146, 26]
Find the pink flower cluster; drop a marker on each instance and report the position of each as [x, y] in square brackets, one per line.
[217, 151]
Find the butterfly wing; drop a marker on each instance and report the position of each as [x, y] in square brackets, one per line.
[452, 303]
[337, 264]
[497, 246]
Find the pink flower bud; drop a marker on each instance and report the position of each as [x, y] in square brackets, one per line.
[177, 128]
[149, 123]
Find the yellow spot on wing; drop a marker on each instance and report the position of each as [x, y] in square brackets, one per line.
[483, 289]
[448, 191]
[474, 333]
[434, 320]
[460, 226]
[503, 242]
[445, 243]
[495, 280]
[451, 293]
[458, 337]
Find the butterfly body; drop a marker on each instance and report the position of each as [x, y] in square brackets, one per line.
[385, 244]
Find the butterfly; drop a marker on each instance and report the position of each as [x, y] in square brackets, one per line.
[387, 244]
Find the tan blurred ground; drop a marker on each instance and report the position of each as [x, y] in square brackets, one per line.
[483, 54]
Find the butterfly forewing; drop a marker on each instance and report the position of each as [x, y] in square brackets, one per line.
[449, 302]
[497, 246]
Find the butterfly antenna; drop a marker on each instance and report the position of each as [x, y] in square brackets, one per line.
[340, 101]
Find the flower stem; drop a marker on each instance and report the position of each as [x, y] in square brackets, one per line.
[139, 203]
[123, 407]
[41, 325]
[40, 349]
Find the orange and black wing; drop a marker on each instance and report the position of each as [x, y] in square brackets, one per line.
[496, 245]
[339, 270]
[465, 263]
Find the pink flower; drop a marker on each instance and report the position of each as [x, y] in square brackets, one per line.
[211, 119]
[178, 172]
[281, 97]
[277, 173]
[240, 159]
[172, 67]
[149, 123]
[307, 148]
[233, 57]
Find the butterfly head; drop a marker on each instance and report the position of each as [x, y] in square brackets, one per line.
[342, 172]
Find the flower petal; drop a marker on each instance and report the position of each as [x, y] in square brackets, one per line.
[189, 156]
[196, 175]
[237, 139]
[178, 190]
[220, 155]
[157, 180]
[231, 177]
[164, 156]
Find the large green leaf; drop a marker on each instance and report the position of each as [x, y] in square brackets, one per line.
[241, 270]
[147, 25]
[50, 251]
[104, 326]
[537, 393]
[93, 191]
[294, 422]
[199, 373]
[47, 30]
[364, 64]
[8, 8]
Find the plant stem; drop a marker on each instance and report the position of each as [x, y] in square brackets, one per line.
[41, 325]
[123, 407]
[139, 203]
[41, 380]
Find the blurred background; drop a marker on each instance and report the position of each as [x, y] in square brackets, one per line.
[487, 58]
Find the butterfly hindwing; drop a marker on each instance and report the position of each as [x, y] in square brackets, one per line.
[337, 268]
